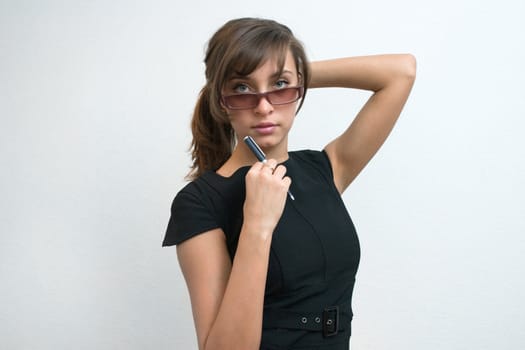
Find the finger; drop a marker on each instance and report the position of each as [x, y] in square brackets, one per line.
[272, 164]
[280, 171]
[258, 166]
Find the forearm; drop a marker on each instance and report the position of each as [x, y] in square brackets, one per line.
[237, 314]
[365, 72]
[238, 324]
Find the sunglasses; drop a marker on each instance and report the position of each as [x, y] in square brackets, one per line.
[275, 97]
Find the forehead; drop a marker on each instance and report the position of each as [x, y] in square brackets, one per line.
[273, 65]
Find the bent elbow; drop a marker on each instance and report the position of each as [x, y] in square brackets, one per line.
[410, 66]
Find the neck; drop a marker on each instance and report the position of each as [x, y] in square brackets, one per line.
[278, 151]
[243, 156]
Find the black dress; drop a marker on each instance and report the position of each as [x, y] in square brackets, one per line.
[314, 253]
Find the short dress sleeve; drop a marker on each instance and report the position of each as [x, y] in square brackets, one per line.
[190, 216]
[319, 162]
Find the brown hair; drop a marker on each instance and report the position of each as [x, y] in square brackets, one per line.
[236, 49]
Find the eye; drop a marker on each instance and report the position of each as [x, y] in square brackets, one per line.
[241, 88]
[281, 84]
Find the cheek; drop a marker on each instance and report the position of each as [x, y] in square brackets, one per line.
[235, 115]
[237, 119]
[290, 112]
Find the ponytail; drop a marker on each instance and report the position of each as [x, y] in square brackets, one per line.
[213, 138]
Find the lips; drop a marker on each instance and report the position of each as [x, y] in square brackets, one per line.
[265, 128]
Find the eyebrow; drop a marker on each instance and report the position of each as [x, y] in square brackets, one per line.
[276, 74]
[284, 71]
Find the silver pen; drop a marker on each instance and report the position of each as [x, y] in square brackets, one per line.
[257, 151]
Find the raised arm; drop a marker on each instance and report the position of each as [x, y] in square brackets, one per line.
[390, 77]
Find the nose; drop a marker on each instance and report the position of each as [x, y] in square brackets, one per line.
[263, 106]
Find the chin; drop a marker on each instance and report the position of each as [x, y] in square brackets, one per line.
[269, 141]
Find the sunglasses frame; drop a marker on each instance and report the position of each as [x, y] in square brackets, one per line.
[259, 95]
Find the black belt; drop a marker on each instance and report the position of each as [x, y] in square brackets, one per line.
[330, 320]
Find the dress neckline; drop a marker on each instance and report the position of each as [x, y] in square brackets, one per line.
[242, 170]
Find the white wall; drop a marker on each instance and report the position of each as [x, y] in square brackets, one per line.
[95, 99]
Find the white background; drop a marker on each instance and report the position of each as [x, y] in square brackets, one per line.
[95, 103]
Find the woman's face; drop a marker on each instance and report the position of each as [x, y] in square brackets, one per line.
[267, 123]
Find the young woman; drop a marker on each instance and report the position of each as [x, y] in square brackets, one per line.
[263, 270]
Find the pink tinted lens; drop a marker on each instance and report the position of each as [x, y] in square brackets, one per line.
[276, 97]
[283, 96]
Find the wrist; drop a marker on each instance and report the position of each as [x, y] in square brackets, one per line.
[257, 232]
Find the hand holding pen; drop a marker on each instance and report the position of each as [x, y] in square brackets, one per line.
[259, 154]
